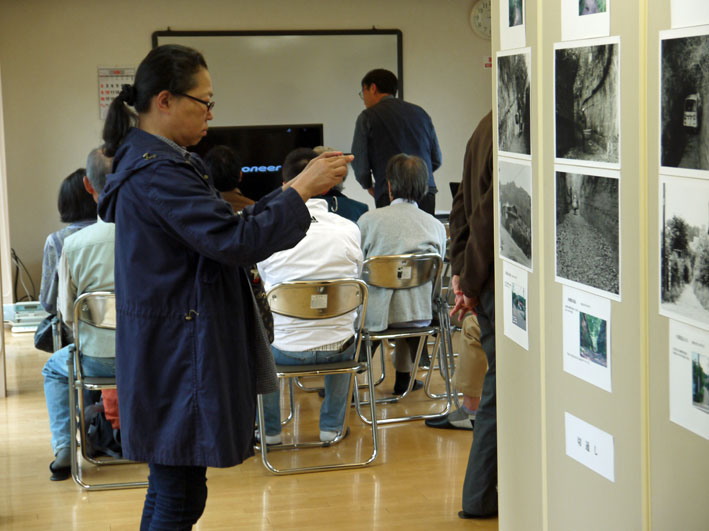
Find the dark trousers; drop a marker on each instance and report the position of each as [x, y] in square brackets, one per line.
[176, 497]
[480, 484]
[427, 204]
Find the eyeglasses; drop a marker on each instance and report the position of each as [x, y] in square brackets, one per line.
[208, 104]
[361, 97]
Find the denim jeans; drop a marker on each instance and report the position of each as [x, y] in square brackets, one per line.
[334, 406]
[176, 497]
[56, 389]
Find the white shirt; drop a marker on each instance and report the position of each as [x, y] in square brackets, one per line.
[330, 249]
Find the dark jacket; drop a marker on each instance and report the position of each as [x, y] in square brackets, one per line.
[185, 317]
[388, 128]
[340, 204]
[471, 218]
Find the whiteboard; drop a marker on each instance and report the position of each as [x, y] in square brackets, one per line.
[273, 78]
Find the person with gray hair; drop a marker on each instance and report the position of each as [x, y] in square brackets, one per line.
[401, 228]
[86, 264]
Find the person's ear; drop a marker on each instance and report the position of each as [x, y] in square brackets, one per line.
[163, 100]
[88, 187]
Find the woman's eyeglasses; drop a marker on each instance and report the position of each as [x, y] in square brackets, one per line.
[208, 104]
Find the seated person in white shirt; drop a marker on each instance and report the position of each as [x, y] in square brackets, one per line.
[402, 228]
[330, 249]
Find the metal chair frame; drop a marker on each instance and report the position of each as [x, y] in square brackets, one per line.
[320, 299]
[406, 271]
[96, 309]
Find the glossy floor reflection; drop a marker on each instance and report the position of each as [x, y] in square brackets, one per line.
[414, 484]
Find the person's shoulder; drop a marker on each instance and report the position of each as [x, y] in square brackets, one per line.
[96, 232]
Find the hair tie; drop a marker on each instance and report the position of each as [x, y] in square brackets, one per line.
[128, 94]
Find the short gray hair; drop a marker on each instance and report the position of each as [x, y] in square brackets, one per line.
[322, 149]
[98, 166]
[408, 177]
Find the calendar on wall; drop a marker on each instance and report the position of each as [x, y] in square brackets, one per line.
[110, 81]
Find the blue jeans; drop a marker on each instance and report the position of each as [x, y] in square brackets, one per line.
[334, 406]
[176, 497]
[56, 390]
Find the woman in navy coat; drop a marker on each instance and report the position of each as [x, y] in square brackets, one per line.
[187, 338]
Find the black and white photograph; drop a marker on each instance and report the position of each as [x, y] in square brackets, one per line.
[700, 381]
[684, 250]
[515, 198]
[519, 309]
[516, 12]
[587, 92]
[513, 103]
[588, 230]
[684, 112]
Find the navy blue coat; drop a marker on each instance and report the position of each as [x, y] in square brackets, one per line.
[185, 318]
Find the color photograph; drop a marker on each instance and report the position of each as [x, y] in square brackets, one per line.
[516, 12]
[592, 343]
[700, 381]
[591, 7]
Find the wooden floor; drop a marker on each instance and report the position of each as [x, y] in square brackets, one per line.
[415, 483]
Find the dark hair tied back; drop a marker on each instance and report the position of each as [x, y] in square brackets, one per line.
[128, 94]
[169, 67]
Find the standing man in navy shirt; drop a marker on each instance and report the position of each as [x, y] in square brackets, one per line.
[389, 126]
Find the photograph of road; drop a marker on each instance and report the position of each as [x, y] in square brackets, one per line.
[588, 231]
[515, 197]
[513, 103]
[684, 85]
[684, 250]
[587, 103]
[700, 381]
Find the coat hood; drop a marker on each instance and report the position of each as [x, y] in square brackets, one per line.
[139, 149]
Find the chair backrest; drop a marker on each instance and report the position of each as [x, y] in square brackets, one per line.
[96, 309]
[318, 299]
[401, 271]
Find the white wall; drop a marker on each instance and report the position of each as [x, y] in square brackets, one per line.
[50, 51]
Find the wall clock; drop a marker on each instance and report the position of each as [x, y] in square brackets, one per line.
[480, 19]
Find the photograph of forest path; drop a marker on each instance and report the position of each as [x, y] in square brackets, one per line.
[593, 334]
[700, 381]
[587, 231]
[684, 250]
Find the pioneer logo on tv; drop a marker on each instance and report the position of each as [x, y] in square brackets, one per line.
[260, 169]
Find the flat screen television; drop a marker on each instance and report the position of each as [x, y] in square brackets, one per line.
[262, 149]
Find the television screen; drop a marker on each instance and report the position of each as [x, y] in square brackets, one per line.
[262, 149]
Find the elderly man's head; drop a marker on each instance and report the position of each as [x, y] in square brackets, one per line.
[407, 177]
[98, 165]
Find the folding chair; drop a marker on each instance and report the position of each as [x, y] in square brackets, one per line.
[407, 271]
[98, 310]
[320, 299]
